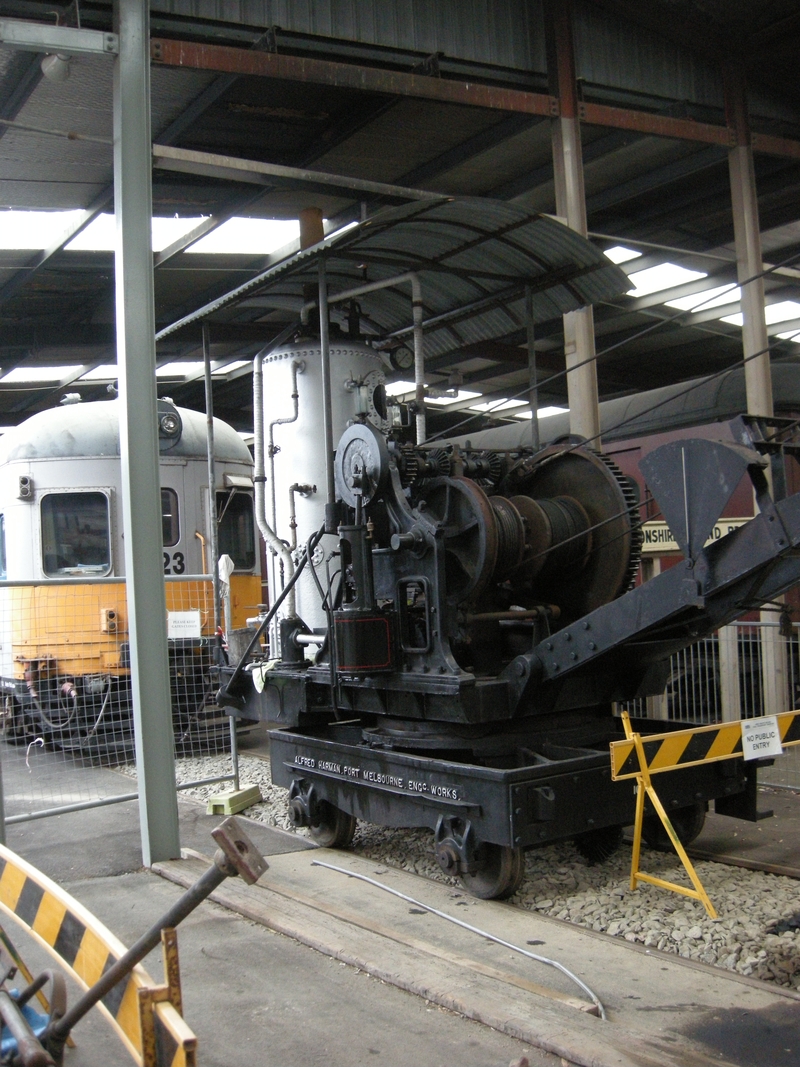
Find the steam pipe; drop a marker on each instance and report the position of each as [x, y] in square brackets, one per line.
[212, 478]
[327, 401]
[298, 366]
[259, 477]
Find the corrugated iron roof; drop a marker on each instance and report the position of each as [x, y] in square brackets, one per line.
[474, 258]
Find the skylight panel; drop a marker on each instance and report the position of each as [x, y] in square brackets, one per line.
[792, 335]
[34, 229]
[709, 298]
[780, 312]
[104, 373]
[248, 237]
[543, 413]
[237, 364]
[497, 405]
[662, 276]
[179, 370]
[23, 375]
[100, 234]
[621, 254]
[446, 401]
[399, 388]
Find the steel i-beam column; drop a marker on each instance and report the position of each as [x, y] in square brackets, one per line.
[138, 431]
[579, 348]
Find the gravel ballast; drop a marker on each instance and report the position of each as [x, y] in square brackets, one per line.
[757, 932]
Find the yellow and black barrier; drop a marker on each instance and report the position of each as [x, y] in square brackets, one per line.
[644, 787]
[688, 748]
[145, 1015]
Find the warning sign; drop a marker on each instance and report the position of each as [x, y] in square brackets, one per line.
[761, 737]
[184, 624]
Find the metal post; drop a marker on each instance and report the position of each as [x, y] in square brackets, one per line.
[136, 358]
[729, 685]
[749, 262]
[327, 403]
[419, 359]
[579, 347]
[212, 478]
[534, 392]
[757, 374]
[2, 808]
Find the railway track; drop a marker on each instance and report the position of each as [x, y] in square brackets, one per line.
[651, 1009]
[756, 935]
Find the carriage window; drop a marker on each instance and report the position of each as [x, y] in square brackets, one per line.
[3, 571]
[169, 517]
[236, 528]
[75, 534]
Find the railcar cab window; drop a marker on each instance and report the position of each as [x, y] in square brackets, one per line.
[170, 529]
[236, 528]
[75, 534]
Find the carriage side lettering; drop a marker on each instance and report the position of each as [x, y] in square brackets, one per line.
[418, 786]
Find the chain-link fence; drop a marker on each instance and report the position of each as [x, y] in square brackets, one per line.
[742, 671]
[66, 722]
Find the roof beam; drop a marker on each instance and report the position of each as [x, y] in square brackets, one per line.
[228, 60]
[231, 168]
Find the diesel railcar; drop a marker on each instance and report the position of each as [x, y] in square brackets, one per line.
[64, 652]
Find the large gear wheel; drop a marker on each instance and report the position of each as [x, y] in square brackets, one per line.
[594, 484]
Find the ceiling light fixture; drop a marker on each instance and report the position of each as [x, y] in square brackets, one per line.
[56, 67]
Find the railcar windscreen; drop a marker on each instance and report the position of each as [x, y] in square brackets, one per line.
[75, 534]
[237, 529]
[169, 517]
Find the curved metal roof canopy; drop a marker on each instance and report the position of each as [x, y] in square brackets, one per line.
[474, 258]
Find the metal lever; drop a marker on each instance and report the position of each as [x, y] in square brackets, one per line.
[236, 855]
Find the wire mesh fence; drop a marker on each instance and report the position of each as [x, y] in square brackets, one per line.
[743, 671]
[66, 721]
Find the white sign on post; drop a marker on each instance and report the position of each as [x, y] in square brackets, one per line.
[184, 624]
[761, 737]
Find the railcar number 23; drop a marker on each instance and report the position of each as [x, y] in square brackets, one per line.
[174, 564]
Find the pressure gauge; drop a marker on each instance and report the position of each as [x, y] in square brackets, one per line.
[402, 358]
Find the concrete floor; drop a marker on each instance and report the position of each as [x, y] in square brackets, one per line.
[251, 996]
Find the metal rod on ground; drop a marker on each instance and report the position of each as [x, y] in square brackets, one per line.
[534, 392]
[212, 480]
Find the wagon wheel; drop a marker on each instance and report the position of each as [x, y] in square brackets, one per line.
[687, 822]
[499, 874]
[596, 846]
[334, 828]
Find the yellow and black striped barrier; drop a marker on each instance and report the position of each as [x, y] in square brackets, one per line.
[644, 788]
[687, 748]
[146, 1016]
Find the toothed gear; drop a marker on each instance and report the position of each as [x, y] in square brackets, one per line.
[632, 502]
